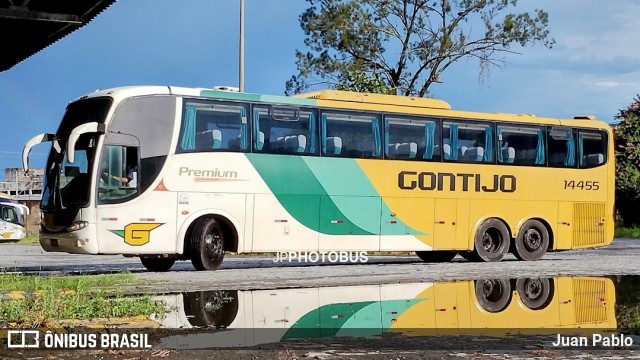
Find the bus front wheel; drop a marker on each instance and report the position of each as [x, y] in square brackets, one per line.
[491, 242]
[157, 264]
[207, 244]
[532, 241]
[436, 256]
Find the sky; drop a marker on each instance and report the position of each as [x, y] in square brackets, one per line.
[594, 67]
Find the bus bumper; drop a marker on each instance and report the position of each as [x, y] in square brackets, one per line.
[78, 242]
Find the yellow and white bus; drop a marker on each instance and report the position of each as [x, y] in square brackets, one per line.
[487, 307]
[169, 173]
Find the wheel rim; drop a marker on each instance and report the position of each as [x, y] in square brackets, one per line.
[491, 240]
[533, 289]
[532, 240]
[492, 290]
[213, 244]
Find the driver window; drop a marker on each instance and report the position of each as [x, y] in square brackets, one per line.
[118, 173]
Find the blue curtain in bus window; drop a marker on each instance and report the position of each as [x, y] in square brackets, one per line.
[570, 159]
[429, 139]
[324, 133]
[386, 137]
[188, 141]
[453, 139]
[580, 149]
[488, 143]
[244, 129]
[313, 133]
[499, 135]
[375, 127]
[258, 143]
[540, 148]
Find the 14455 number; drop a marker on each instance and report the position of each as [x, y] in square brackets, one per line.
[582, 185]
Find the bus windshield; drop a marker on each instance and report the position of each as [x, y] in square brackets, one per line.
[65, 184]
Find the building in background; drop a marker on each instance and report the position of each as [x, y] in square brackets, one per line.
[27, 190]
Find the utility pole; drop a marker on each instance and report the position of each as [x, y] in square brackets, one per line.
[241, 55]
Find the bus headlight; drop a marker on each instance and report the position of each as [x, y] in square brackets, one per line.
[75, 226]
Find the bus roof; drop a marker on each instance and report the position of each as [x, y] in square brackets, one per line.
[350, 100]
[379, 99]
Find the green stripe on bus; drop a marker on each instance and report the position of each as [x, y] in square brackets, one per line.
[352, 192]
[294, 185]
[324, 321]
[230, 95]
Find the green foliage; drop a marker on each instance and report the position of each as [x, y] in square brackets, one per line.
[628, 304]
[627, 149]
[627, 233]
[359, 81]
[406, 44]
[48, 299]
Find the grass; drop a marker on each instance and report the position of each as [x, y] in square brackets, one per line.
[30, 239]
[632, 233]
[50, 299]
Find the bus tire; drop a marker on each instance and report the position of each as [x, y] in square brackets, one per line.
[491, 242]
[157, 264]
[532, 241]
[493, 295]
[207, 244]
[535, 293]
[213, 309]
[436, 256]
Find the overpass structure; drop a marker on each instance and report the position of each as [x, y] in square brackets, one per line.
[28, 26]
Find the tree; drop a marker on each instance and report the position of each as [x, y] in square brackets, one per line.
[407, 43]
[627, 149]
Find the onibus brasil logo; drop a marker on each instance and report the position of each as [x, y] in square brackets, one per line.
[137, 234]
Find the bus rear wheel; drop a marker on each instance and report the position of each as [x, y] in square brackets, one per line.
[532, 241]
[491, 242]
[157, 264]
[436, 256]
[207, 244]
[493, 295]
[535, 293]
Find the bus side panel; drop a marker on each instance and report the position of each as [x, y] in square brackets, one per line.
[445, 223]
[397, 214]
[350, 223]
[274, 229]
[280, 314]
[247, 244]
[564, 238]
[462, 225]
[139, 227]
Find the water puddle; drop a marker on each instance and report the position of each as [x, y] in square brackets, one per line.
[470, 311]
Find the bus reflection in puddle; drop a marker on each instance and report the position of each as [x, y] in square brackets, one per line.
[484, 307]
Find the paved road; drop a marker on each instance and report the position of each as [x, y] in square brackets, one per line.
[620, 258]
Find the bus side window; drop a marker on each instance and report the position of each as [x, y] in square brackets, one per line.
[592, 148]
[411, 139]
[353, 135]
[214, 127]
[290, 131]
[562, 147]
[465, 142]
[521, 145]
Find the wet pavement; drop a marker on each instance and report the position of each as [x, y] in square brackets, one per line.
[575, 304]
